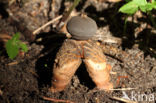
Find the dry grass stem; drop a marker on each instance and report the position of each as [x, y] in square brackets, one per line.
[123, 89]
[124, 100]
[57, 100]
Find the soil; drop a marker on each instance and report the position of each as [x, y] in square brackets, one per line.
[27, 78]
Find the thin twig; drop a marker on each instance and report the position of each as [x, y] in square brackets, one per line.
[1, 92]
[123, 89]
[47, 24]
[123, 100]
[114, 73]
[13, 63]
[56, 100]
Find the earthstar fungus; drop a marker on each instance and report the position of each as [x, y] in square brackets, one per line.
[77, 49]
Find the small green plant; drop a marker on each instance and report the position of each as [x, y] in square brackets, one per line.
[134, 5]
[145, 6]
[14, 45]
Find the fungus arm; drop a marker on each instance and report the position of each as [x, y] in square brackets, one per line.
[95, 62]
[66, 64]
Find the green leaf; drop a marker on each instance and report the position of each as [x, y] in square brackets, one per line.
[23, 47]
[147, 7]
[134, 5]
[13, 45]
[154, 4]
[16, 36]
[129, 8]
[12, 48]
[140, 2]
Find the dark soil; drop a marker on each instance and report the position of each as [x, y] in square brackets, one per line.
[27, 78]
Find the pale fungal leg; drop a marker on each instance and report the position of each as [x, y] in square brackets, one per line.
[66, 63]
[62, 76]
[97, 68]
[100, 77]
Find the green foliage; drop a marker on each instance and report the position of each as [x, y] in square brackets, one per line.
[134, 5]
[13, 45]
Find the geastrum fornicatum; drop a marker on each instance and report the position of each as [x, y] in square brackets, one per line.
[77, 49]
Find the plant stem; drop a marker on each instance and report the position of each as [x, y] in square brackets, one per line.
[66, 15]
[76, 2]
[125, 25]
[152, 19]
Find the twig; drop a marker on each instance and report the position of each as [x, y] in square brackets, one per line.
[56, 100]
[47, 24]
[114, 73]
[1, 93]
[124, 100]
[13, 63]
[123, 89]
